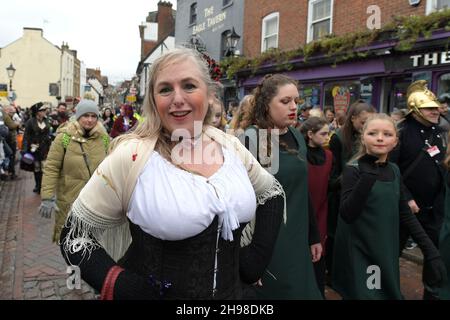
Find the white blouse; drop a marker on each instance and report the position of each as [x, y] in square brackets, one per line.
[172, 204]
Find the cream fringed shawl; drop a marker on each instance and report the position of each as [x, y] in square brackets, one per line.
[98, 215]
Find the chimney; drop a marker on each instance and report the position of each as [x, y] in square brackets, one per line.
[166, 22]
[146, 45]
[33, 32]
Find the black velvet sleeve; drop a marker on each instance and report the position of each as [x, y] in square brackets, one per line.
[313, 230]
[394, 156]
[356, 187]
[336, 150]
[254, 258]
[95, 267]
[334, 182]
[407, 194]
[409, 220]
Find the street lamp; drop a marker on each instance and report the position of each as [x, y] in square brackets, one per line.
[11, 71]
[232, 40]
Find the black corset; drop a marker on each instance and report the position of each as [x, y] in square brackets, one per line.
[188, 265]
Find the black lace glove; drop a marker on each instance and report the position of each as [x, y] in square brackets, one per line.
[434, 272]
[367, 164]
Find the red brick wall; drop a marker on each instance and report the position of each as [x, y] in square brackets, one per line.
[348, 16]
[166, 23]
[351, 15]
[146, 47]
[292, 15]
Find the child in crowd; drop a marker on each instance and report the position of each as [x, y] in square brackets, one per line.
[320, 162]
[366, 263]
[217, 113]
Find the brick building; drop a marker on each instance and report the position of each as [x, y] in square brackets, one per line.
[381, 72]
[157, 36]
[158, 26]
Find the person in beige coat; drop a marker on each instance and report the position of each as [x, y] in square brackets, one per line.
[79, 147]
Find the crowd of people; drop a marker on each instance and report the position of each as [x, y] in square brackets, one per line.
[263, 199]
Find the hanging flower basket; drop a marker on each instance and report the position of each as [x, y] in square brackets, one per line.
[214, 69]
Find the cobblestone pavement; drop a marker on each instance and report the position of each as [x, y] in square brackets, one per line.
[31, 266]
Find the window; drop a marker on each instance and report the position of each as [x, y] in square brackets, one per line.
[309, 94]
[223, 43]
[270, 31]
[226, 2]
[340, 95]
[444, 84]
[320, 14]
[437, 5]
[193, 14]
[53, 89]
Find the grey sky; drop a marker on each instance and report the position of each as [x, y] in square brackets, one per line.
[104, 33]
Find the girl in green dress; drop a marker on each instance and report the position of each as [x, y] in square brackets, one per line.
[343, 145]
[290, 274]
[366, 263]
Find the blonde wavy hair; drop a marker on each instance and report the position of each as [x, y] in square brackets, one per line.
[151, 126]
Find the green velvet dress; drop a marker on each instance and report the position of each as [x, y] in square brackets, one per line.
[369, 243]
[290, 274]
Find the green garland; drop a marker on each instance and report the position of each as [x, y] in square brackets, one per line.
[405, 29]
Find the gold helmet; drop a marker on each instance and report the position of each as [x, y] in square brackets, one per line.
[419, 96]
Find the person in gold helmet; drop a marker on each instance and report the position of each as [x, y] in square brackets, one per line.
[423, 103]
[419, 154]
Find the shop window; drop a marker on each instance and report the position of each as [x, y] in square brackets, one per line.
[309, 94]
[3, 89]
[270, 31]
[437, 5]
[399, 87]
[193, 13]
[340, 95]
[320, 19]
[444, 84]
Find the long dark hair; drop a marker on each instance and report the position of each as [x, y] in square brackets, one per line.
[349, 134]
[263, 94]
[313, 124]
[111, 116]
